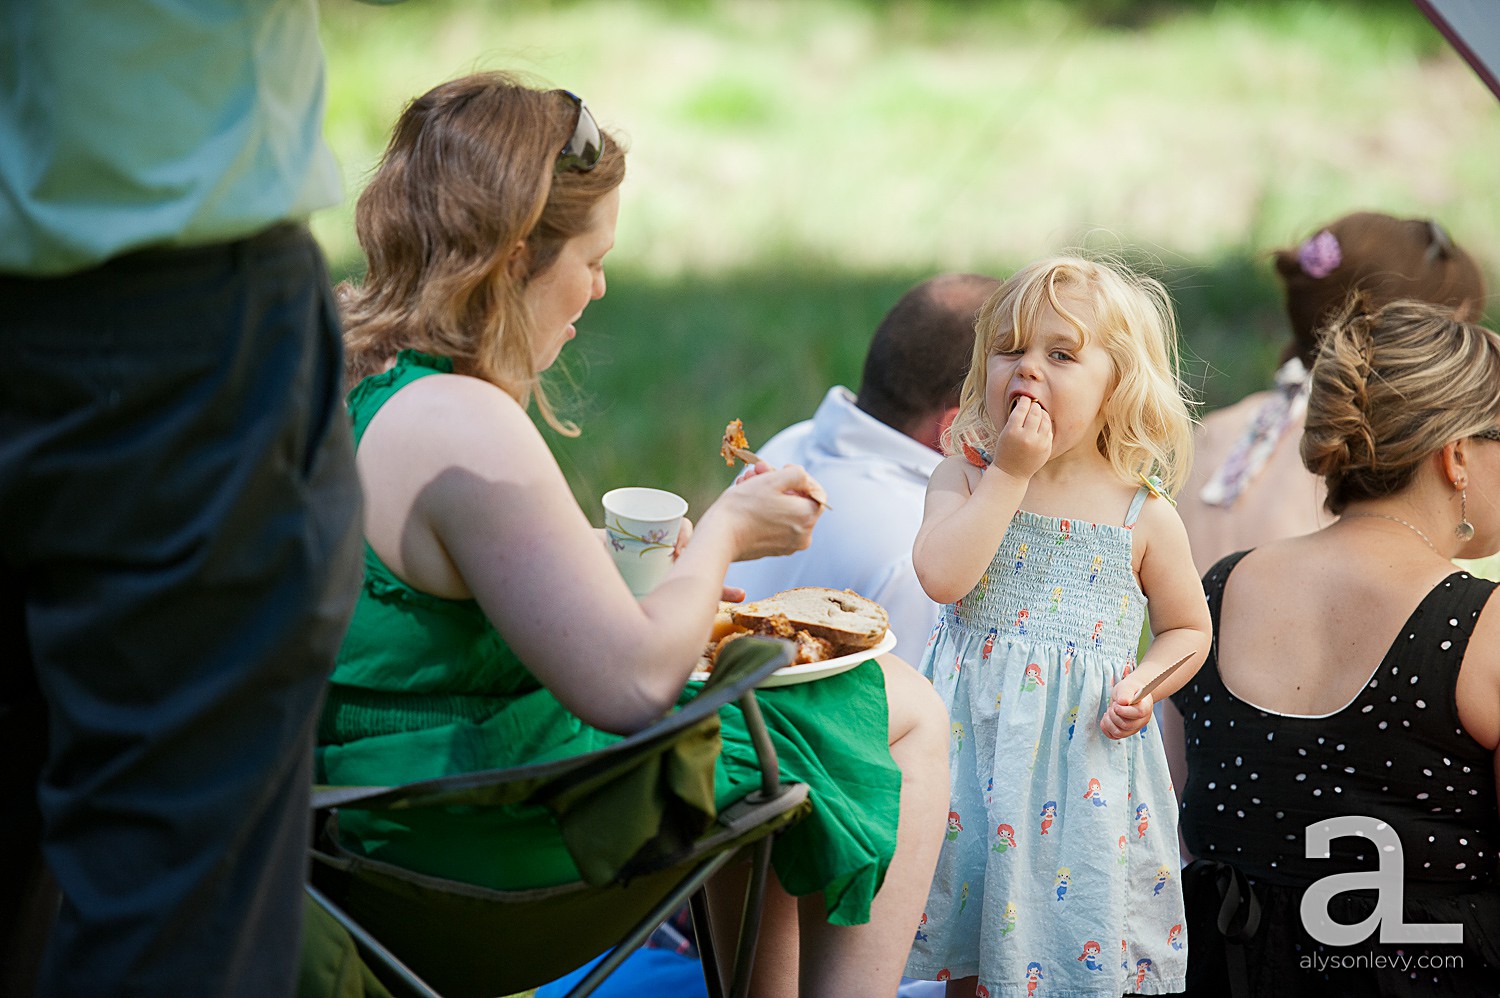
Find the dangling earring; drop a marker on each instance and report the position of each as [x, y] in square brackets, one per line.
[1465, 529]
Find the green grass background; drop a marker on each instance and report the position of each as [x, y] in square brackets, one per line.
[795, 165]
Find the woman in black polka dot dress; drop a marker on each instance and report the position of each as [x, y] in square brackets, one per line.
[1350, 707]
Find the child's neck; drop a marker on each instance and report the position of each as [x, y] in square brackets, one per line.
[1079, 487]
[1077, 468]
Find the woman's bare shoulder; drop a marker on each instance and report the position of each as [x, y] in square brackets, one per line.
[444, 396]
[442, 451]
[447, 419]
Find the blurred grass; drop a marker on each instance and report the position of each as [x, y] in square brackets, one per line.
[795, 166]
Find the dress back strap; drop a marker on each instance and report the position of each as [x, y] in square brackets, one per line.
[1135, 506]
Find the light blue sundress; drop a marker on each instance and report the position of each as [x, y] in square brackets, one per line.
[1059, 872]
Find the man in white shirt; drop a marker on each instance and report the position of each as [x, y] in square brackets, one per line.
[873, 453]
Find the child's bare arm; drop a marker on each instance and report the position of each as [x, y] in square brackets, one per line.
[1180, 620]
[961, 529]
[963, 524]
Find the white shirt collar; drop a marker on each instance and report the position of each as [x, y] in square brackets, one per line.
[842, 429]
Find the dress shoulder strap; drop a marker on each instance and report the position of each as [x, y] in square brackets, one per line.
[1136, 504]
[366, 398]
[1439, 632]
[1213, 589]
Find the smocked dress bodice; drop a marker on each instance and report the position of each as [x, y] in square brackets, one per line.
[1058, 585]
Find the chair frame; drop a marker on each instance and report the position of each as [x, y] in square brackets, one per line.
[771, 801]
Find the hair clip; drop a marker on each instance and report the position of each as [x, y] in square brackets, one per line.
[1155, 487]
[976, 455]
[1320, 255]
[1438, 243]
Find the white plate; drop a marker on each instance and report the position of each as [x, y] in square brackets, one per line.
[794, 674]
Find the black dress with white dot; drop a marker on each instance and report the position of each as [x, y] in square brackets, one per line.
[1396, 753]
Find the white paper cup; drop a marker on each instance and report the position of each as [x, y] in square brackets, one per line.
[642, 527]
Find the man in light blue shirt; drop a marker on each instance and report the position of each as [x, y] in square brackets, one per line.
[179, 538]
[149, 123]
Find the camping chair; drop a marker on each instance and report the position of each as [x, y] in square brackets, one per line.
[427, 936]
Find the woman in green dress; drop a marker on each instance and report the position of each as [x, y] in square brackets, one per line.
[493, 628]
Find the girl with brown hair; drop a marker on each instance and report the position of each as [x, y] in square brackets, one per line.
[1248, 484]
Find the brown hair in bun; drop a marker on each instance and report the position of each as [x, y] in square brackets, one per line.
[1384, 257]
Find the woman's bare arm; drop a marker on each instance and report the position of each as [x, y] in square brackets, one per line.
[466, 500]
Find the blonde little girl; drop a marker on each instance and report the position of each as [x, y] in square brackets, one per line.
[1049, 536]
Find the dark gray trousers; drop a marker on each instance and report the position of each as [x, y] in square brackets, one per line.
[179, 553]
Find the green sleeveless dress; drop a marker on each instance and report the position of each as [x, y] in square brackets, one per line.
[426, 687]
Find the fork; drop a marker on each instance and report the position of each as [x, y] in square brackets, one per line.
[751, 458]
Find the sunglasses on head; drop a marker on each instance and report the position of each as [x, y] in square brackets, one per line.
[1438, 243]
[587, 144]
[1493, 433]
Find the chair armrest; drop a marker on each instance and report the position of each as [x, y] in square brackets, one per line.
[742, 666]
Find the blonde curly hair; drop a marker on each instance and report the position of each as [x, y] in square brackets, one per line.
[1147, 425]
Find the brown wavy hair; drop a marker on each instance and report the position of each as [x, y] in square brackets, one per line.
[1390, 386]
[1385, 258]
[467, 176]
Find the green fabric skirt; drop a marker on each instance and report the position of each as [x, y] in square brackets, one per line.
[831, 734]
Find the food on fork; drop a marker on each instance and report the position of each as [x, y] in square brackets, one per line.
[734, 439]
[736, 446]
